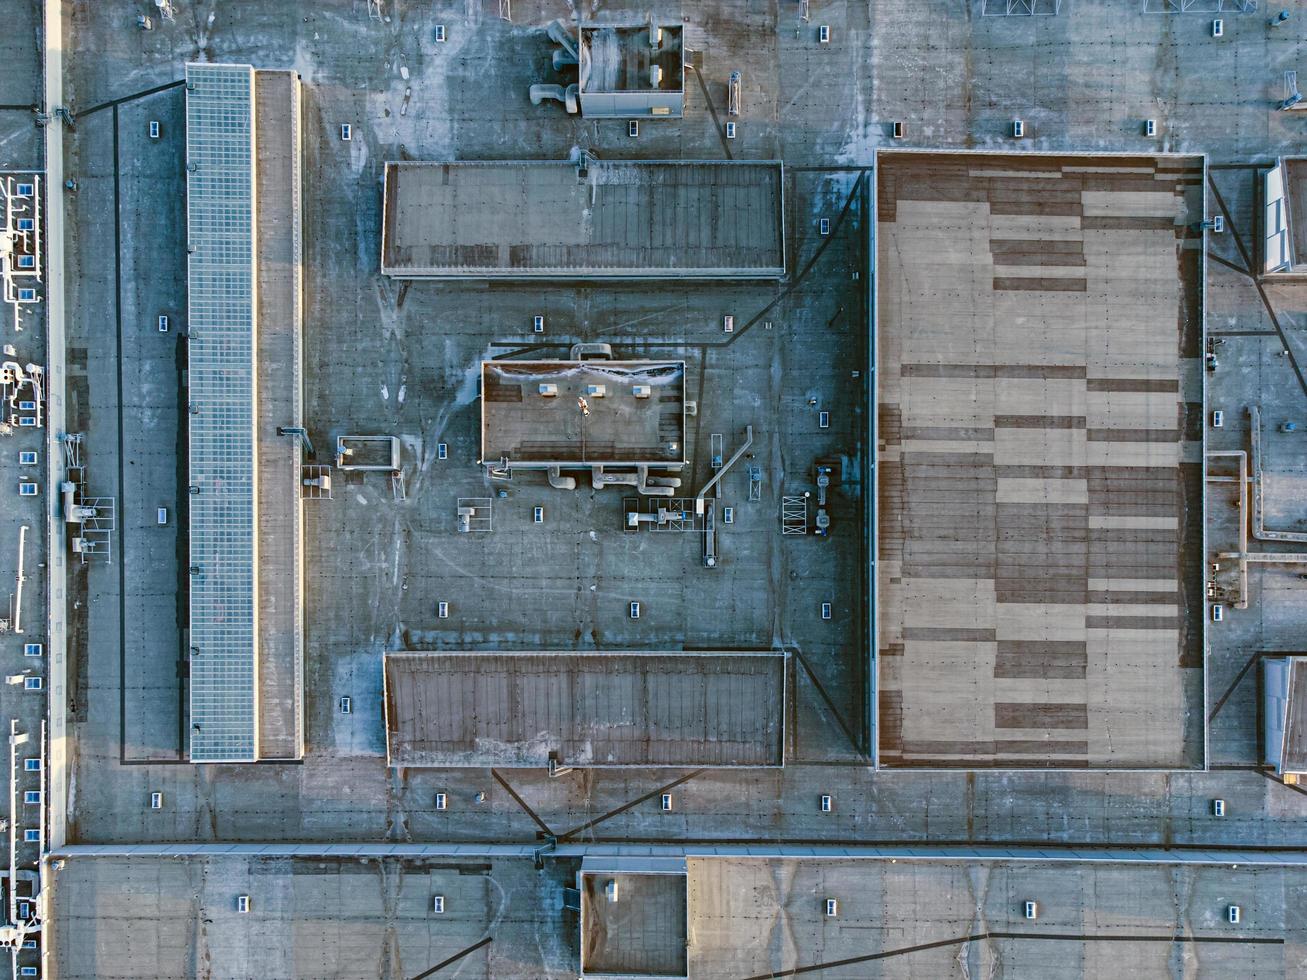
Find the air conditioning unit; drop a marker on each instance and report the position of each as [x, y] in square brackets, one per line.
[666, 801]
[642, 391]
[1234, 913]
[242, 903]
[346, 132]
[826, 610]
[823, 226]
[899, 131]
[730, 130]
[442, 610]
[1218, 28]
[728, 323]
[1150, 127]
[538, 324]
[596, 391]
[1018, 129]
[823, 34]
[156, 801]
[633, 128]
[1218, 808]
[832, 907]
[1032, 910]
[826, 803]
[548, 390]
[154, 129]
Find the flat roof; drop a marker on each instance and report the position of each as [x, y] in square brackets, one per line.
[1040, 516]
[279, 402]
[619, 219]
[642, 932]
[755, 918]
[1284, 712]
[599, 709]
[220, 196]
[523, 426]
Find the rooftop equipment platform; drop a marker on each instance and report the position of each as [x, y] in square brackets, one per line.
[570, 413]
[583, 220]
[628, 71]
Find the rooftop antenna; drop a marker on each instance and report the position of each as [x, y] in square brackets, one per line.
[506, 10]
[166, 10]
[374, 9]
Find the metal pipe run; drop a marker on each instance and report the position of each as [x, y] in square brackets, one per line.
[748, 441]
[22, 577]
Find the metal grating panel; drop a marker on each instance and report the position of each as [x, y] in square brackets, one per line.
[220, 228]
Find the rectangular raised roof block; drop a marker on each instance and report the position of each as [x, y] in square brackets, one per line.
[608, 709]
[592, 219]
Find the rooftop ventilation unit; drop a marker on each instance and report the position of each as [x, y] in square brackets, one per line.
[642, 391]
[596, 391]
[548, 390]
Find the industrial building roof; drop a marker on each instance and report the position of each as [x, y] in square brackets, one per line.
[595, 709]
[244, 353]
[1040, 518]
[221, 289]
[280, 403]
[634, 921]
[1284, 690]
[537, 412]
[599, 219]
